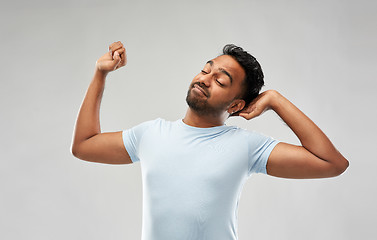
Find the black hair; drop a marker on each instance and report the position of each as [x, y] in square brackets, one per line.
[253, 81]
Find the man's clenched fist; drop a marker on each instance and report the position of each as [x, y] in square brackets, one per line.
[112, 60]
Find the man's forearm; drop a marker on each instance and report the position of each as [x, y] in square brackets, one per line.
[310, 135]
[88, 121]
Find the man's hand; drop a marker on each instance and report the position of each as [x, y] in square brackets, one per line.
[258, 106]
[115, 58]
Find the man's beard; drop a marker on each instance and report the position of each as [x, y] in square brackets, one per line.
[201, 106]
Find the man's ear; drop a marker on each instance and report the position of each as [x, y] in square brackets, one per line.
[236, 105]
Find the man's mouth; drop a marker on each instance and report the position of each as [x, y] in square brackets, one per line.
[200, 89]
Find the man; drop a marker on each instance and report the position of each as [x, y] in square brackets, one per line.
[193, 169]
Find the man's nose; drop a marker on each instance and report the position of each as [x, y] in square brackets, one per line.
[205, 79]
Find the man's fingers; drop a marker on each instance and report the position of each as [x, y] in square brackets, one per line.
[121, 50]
[115, 46]
[123, 56]
[118, 47]
[248, 116]
[117, 58]
[250, 113]
[244, 115]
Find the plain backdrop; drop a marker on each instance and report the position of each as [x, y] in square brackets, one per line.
[320, 54]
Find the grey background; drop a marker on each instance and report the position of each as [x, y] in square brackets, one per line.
[319, 54]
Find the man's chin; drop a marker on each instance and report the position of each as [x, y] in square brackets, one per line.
[196, 105]
[195, 99]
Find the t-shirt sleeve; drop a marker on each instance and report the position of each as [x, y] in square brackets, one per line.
[132, 138]
[260, 148]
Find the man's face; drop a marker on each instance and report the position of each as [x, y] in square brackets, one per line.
[214, 89]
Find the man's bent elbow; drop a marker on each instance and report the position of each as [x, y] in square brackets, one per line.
[79, 154]
[75, 151]
[341, 167]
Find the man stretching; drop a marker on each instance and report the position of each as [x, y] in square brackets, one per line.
[193, 169]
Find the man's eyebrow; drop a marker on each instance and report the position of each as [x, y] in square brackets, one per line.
[210, 62]
[228, 74]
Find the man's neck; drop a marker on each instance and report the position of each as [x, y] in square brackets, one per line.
[194, 119]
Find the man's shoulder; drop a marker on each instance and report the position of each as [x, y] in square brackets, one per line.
[248, 132]
[157, 122]
[160, 121]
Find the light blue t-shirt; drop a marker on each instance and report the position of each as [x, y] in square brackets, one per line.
[193, 177]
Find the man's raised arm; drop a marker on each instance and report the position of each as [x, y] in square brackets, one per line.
[316, 158]
[88, 142]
